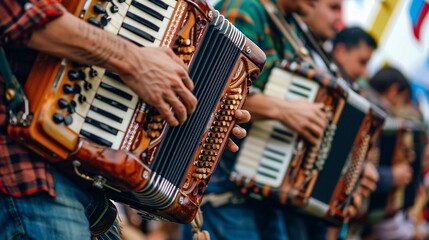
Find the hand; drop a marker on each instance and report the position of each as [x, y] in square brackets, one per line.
[402, 174]
[156, 75]
[304, 117]
[161, 79]
[355, 205]
[369, 180]
[241, 116]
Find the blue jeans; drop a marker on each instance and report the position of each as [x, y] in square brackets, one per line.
[40, 216]
[249, 221]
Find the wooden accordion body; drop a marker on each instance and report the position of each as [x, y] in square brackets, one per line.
[278, 165]
[85, 120]
[401, 141]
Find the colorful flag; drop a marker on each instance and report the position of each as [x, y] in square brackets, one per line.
[419, 9]
[382, 19]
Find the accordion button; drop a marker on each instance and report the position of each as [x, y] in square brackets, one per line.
[82, 98]
[68, 120]
[73, 75]
[68, 89]
[99, 9]
[58, 118]
[114, 9]
[62, 103]
[94, 22]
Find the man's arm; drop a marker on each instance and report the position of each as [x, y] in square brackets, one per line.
[304, 117]
[156, 75]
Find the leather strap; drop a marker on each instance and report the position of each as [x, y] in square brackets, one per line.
[14, 94]
[283, 26]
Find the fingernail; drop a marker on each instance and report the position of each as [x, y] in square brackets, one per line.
[174, 122]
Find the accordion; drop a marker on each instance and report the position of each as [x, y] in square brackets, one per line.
[275, 163]
[401, 141]
[86, 121]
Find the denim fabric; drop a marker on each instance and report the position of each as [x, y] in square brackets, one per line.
[302, 227]
[40, 216]
[248, 221]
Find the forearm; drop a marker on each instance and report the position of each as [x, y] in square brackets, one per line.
[262, 107]
[71, 38]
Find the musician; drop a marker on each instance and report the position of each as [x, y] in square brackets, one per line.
[390, 89]
[352, 49]
[322, 27]
[38, 202]
[228, 215]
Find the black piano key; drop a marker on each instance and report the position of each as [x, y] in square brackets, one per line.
[101, 126]
[283, 132]
[106, 114]
[302, 86]
[160, 4]
[273, 159]
[298, 93]
[142, 21]
[96, 138]
[113, 75]
[130, 40]
[280, 138]
[269, 167]
[111, 102]
[275, 151]
[266, 175]
[139, 32]
[148, 10]
[116, 91]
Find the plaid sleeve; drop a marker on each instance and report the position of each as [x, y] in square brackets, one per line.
[18, 21]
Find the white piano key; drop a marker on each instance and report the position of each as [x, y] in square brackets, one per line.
[115, 139]
[77, 123]
[111, 28]
[115, 20]
[82, 108]
[245, 170]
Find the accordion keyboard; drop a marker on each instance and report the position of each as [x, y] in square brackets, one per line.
[268, 148]
[106, 105]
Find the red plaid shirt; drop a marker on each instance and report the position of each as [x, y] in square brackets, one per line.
[21, 172]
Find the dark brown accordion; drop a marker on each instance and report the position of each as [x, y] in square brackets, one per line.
[88, 122]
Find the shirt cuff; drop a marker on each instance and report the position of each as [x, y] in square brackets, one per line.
[36, 13]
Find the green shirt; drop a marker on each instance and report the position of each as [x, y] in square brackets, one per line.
[250, 18]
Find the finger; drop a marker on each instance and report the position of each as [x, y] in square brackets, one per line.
[320, 113]
[242, 116]
[239, 132]
[165, 112]
[307, 135]
[187, 97]
[177, 106]
[232, 146]
[351, 211]
[187, 81]
[176, 58]
[319, 119]
[315, 130]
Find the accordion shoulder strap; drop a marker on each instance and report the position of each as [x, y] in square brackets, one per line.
[283, 26]
[14, 94]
